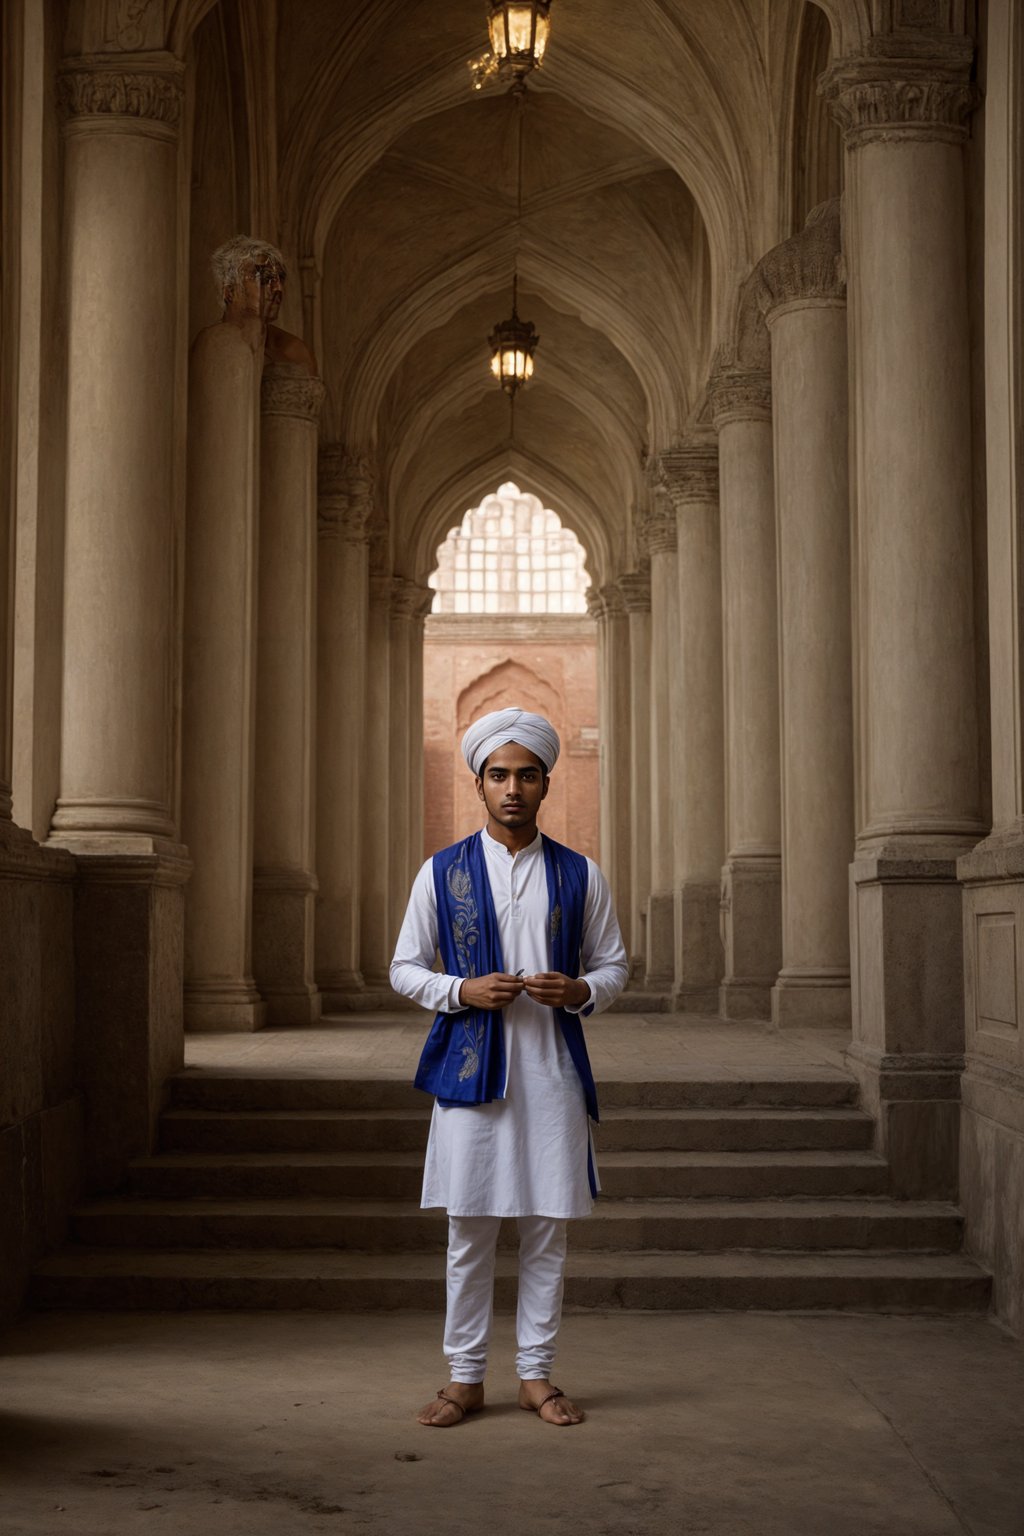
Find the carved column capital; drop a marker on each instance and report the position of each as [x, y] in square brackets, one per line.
[904, 88]
[658, 529]
[635, 590]
[289, 391]
[614, 606]
[807, 269]
[739, 394]
[138, 93]
[689, 473]
[595, 603]
[409, 600]
[344, 494]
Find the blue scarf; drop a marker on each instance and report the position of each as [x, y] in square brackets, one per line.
[463, 1060]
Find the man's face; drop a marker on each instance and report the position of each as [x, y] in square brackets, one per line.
[260, 291]
[512, 785]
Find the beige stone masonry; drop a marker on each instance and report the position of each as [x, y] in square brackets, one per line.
[376, 939]
[802, 287]
[121, 125]
[658, 533]
[741, 405]
[607, 607]
[284, 882]
[345, 507]
[904, 106]
[635, 589]
[690, 475]
[218, 723]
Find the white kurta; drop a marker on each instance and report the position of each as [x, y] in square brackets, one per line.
[526, 1154]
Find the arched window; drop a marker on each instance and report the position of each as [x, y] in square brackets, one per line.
[510, 555]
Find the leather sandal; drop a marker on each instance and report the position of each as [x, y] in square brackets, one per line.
[551, 1397]
[443, 1395]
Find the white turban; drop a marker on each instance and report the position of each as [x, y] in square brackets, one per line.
[492, 731]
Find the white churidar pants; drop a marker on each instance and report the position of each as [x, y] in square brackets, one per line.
[472, 1241]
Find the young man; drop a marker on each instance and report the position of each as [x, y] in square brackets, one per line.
[528, 941]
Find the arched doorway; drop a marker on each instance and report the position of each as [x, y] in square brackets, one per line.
[509, 625]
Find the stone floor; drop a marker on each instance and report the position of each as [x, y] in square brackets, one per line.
[281, 1425]
[206, 1424]
[622, 1045]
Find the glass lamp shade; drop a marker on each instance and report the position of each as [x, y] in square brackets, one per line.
[513, 343]
[519, 33]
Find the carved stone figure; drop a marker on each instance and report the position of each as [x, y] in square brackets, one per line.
[250, 276]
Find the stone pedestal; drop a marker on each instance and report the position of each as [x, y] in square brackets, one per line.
[804, 295]
[751, 874]
[344, 513]
[218, 706]
[284, 883]
[659, 538]
[635, 588]
[691, 477]
[904, 112]
[374, 924]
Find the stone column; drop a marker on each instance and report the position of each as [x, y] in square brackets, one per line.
[405, 601]
[635, 587]
[121, 148]
[346, 503]
[284, 884]
[904, 113]
[422, 603]
[659, 536]
[378, 811]
[122, 118]
[751, 875]
[606, 606]
[218, 706]
[691, 477]
[804, 297]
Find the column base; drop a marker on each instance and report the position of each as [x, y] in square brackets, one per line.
[745, 1000]
[908, 1030]
[129, 966]
[805, 999]
[372, 998]
[282, 945]
[216, 1007]
[699, 956]
[661, 940]
[751, 902]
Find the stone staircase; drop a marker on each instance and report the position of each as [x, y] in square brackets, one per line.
[291, 1192]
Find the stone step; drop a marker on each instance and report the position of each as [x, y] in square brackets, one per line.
[208, 1090]
[329, 1280]
[668, 1225]
[399, 1175]
[621, 1130]
[736, 1130]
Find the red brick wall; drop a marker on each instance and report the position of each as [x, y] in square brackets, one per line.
[544, 663]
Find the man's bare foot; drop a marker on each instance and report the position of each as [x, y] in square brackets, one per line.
[451, 1404]
[549, 1403]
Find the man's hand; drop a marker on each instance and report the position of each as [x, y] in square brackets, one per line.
[490, 992]
[556, 990]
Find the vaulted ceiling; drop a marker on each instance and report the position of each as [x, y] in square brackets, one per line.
[657, 169]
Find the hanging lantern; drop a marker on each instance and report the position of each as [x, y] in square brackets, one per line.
[512, 343]
[519, 35]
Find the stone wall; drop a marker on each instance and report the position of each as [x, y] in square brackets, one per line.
[480, 662]
[40, 1108]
